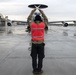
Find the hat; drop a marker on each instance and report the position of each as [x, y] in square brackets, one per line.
[37, 18]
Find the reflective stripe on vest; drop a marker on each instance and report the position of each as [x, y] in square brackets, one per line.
[37, 28]
[37, 36]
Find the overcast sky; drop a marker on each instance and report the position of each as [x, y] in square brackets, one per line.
[57, 9]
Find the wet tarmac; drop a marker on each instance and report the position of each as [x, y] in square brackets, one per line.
[60, 51]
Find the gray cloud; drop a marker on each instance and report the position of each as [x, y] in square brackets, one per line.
[56, 8]
[5, 0]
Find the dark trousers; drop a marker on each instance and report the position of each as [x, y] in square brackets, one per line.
[37, 54]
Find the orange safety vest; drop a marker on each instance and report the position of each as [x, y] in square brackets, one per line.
[37, 31]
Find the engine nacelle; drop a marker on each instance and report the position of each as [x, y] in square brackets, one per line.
[65, 24]
[9, 24]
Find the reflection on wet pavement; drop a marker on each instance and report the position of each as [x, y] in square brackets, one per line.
[60, 52]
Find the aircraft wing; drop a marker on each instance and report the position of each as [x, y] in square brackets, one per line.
[64, 23]
[19, 22]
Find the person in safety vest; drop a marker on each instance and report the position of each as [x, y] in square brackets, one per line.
[37, 38]
[31, 18]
